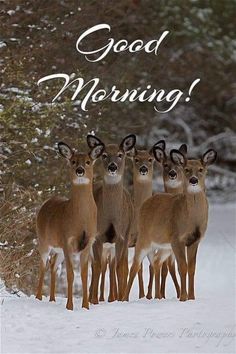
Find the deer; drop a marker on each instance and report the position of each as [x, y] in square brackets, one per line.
[173, 222]
[143, 161]
[173, 183]
[115, 217]
[67, 226]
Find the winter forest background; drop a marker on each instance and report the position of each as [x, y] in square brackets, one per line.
[38, 38]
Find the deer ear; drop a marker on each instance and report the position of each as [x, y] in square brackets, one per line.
[65, 150]
[178, 158]
[183, 149]
[132, 153]
[161, 144]
[159, 154]
[97, 151]
[209, 157]
[93, 141]
[128, 143]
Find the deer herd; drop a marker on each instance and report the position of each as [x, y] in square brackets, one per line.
[101, 221]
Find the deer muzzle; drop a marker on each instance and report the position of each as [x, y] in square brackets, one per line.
[112, 168]
[80, 171]
[143, 170]
[193, 181]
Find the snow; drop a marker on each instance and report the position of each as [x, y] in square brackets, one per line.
[206, 325]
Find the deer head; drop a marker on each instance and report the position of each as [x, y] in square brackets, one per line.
[143, 162]
[113, 156]
[194, 170]
[172, 172]
[81, 164]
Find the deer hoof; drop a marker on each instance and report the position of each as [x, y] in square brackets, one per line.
[39, 297]
[183, 297]
[85, 305]
[94, 301]
[69, 306]
[191, 297]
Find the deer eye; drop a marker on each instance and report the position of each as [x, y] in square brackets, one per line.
[200, 169]
[165, 165]
[87, 162]
[136, 160]
[73, 162]
[150, 159]
[104, 156]
[120, 155]
[186, 170]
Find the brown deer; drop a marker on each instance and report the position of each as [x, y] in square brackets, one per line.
[175, 222]
[115, 217]
[65, 226]
[142, 189]
[173, 183]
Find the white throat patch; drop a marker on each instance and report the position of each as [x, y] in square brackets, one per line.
[194, 189]
[81, 180]
[173, 183]
[143, 178]
[109, 179]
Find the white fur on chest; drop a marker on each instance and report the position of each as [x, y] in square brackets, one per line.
[81, 180]
[112, 179]
[143, 178]
[173, 183]
[194, 189]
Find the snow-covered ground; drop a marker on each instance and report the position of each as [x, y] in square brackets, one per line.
[206, 325]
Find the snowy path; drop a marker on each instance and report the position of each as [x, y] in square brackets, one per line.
[206, 325]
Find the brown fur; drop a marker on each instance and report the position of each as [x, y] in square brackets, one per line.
[71, 225]
[115, 212]
[174, 186]
[172, 219]
[142, 190]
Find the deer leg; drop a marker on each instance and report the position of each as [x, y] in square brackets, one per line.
[91, 283]
[102, 284]
[70, 280]
[151, 275]
[140, 281]
[171, 266]
[191, 255]
[122, 273]
[179, 251]
[84, 278]
[97, 271]
[138, 258]
[112, 268]
[119, 269]
[164, 272]
[97, 252]
[41, 278]
[125, 272]
[157, 272]
[115, 288]
[53, 278]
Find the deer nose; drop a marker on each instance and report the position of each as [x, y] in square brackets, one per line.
[172, 174]
[80, 171]
[193, 180]
[143, 170]
[112, 167]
